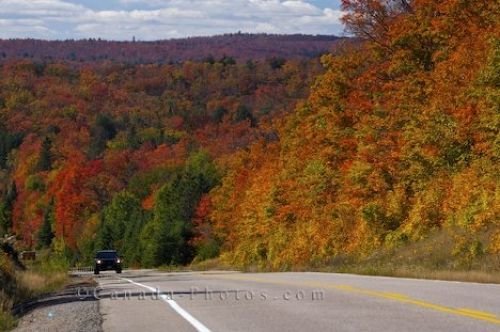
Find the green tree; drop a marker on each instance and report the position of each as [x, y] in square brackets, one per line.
[46, 235]
[276, 63]
[200, 164]
[244, 113]
[104, 237]
[102, 131]
[6, 205]
[227, 61]
[166, 238]
[4, 218]
[8, 142]
[45, 158]
[218, 114]
[121, 225]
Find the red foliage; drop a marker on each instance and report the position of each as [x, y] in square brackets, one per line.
[74, 200]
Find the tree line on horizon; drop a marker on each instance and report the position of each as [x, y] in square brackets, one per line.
[238, 46]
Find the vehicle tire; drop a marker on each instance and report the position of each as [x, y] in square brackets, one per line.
[96, 271]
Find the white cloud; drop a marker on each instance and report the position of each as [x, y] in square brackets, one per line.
[10, 28]
[301, 8]
[39, 8]
[160, 19]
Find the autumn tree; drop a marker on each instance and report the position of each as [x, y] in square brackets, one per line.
[371, 19]
[82, 133]
[393, 145]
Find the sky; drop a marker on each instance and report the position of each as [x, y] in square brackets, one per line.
[164, 19]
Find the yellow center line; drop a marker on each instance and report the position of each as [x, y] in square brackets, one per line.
[463, 312]
[476, 312]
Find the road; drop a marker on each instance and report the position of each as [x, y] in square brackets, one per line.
[148, 300]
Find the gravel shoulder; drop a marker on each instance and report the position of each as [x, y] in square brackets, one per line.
[73, 316]
[62, 312]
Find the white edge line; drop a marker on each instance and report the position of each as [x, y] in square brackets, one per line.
[186, 315]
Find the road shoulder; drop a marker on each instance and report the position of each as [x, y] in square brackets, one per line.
[64, 311]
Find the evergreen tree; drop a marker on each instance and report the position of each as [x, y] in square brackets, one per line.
[173, 228]
[4, 218]
[102, 131]
[45, 159]
[132, 139]
[218, 114]
[121, 225]
[6, 209]
[166, 238]
[276, 63]
[46, 235]
[7, 143]
[244, 113]
[104, 237]
[227, 61]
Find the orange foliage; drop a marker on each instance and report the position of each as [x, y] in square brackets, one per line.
[392, 144]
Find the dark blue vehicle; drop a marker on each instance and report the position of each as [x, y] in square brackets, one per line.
[107, 260]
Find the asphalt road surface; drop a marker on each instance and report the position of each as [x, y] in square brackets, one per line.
[148, 301]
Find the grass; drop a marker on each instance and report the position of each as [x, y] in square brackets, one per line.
[172, 268]
[444, 255]
[45, 276]
[416, 271]
[7, 321]
[468, 276]
[197, 265]
[441, 256]
[37, 283]
[8, 293]
[419, 273]
[210, 264]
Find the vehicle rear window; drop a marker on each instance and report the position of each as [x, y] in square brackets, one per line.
[106, 254]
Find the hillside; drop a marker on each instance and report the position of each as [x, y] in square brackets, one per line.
[397, 144]
[96, 156]
[238, 46]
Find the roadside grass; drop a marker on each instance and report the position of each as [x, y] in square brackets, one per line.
[44, 276]
[444, 255]
[9, 291]
[47, 274]
[38, 284]
[7, 321]
[417, 272]
[211, 264]
[172, 268]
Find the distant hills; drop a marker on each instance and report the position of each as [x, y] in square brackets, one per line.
[239, 46]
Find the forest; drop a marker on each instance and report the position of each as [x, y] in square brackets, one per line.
[279, 163]
[397, 143]
[240, 46]
[118, 156]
